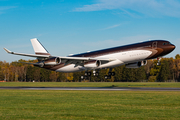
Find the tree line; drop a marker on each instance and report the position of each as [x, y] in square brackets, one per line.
[169, 70]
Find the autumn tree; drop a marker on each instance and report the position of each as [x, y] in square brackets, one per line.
[61, 77]
[164, 72]
[140, 74]
[119, 73]
[177, 56]
[53, 76]
[45, 75]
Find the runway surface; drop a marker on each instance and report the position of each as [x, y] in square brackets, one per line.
[94, 88]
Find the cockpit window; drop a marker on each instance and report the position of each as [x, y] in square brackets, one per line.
[167, 43]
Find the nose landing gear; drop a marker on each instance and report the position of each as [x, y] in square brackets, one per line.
[159, 61]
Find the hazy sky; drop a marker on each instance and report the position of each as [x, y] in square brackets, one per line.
[73, 26]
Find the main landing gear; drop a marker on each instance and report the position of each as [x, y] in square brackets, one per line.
[88, 74]
[110, 73]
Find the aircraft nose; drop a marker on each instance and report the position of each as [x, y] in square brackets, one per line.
[167, 49]
[172, 47]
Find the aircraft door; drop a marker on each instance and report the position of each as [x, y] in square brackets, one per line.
[154, 45]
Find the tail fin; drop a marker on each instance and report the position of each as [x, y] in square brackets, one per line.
[38, 47]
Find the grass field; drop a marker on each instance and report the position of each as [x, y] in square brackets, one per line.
[54, 104]
[101, 105]
[92, 84]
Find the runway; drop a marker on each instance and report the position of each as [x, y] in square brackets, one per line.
[94, 88]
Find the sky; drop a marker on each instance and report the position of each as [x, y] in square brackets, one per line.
[74, 26]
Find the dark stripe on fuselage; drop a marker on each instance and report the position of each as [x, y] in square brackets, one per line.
[137, 46]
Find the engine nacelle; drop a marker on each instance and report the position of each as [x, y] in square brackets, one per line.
[92, 64]
[52, 61]
[143, 63]
[137, 64]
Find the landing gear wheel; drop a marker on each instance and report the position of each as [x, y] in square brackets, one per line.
[109, 73]
[113, 73]
[107, 77]
[97, 74]
[158, 63]
[87, 73]
[82, 77]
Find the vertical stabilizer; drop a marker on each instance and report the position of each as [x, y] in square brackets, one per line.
[38, 47]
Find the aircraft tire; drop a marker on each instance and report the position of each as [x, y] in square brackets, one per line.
[113, 73]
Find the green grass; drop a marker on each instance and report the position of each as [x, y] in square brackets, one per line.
[92, 84]
[98, 105]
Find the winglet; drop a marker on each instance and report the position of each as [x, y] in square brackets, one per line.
[8, 51]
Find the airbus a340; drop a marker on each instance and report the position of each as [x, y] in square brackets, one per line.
[132, 56]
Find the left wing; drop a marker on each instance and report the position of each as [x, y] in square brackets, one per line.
[29, 55]
[67, 60]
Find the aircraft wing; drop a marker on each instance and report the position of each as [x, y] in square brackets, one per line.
[67, 60]
[29, 55]
[81, 60]
[85, 58]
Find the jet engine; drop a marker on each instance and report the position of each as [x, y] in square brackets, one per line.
[92, 64]
[53, 61]
[136, 64]
[50, 61]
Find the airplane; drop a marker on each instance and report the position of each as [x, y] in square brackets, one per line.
[132, 56]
